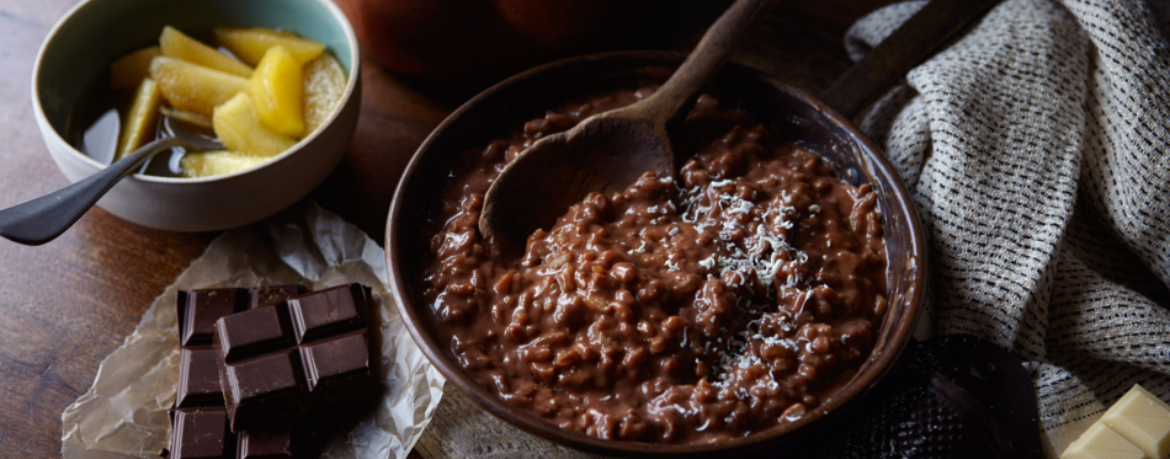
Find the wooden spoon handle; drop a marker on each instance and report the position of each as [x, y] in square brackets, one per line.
[913, 43]
[711, 53]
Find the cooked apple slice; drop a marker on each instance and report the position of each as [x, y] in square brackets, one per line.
[187, 117]
[140, 119]
[239, 129]
[250, 45]
[277, 89]
[210, 163]
[324, 86]
[129, 70]
[189, 87]
[179, 46]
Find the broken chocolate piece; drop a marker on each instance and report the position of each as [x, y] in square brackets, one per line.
[264, 296]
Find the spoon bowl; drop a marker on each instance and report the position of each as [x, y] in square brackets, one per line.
[608, 151]
[603, 154]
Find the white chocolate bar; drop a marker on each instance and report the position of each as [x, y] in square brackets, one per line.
[1143, 420]
[1101, 442]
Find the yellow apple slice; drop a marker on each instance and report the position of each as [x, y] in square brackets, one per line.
[177, 45]
[324, 86]
[140, 119]
[129, 70]
[250, 45]
[239, 129]
[192, 88]
[211, 163]
[277, 89]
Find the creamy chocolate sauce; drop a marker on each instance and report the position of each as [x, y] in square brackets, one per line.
[692, 311]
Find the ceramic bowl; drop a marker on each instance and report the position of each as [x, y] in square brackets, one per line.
[789, 112]
[96, 32]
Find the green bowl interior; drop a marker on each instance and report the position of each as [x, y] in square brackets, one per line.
[100, 31]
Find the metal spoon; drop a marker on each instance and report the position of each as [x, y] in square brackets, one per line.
[43, 219]
[608, 151]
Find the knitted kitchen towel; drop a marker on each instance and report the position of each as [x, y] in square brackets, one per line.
[1036, 150]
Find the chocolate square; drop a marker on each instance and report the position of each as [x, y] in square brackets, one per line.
[338, 364]
[202, 433]
[328, 312]
[252, 332]
[199, 309]
[198, 378]
[265, 445]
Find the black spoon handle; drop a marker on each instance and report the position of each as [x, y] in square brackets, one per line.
[915, 41]
[43, 219]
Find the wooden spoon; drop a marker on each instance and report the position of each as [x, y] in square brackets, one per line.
[608, 151]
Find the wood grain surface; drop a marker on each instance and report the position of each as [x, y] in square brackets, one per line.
[66, 305]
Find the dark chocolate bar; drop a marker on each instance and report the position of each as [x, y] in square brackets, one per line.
[298, 356]
[200, 419]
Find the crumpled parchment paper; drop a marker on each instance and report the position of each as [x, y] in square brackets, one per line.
[124, 414]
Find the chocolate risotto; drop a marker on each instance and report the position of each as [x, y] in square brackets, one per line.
[733, 299]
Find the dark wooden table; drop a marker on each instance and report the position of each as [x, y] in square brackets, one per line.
[66, 305]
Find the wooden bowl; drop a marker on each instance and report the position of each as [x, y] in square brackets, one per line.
[789, 112]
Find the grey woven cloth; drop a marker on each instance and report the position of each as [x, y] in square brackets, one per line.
[1036, 150]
